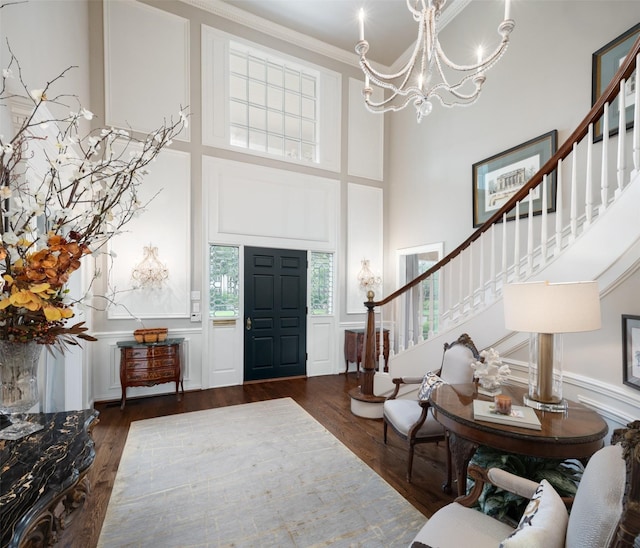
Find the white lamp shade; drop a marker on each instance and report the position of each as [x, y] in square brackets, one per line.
[543, 307]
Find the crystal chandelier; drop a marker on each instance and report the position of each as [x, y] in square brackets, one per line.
[423, 79]
[150, 273]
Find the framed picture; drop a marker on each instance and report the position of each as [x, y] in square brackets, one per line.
[498, 178]
[605, 63]
[631, 351]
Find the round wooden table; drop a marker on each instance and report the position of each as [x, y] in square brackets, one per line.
[578, 433]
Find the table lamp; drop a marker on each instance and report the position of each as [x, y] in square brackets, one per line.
[546, 310]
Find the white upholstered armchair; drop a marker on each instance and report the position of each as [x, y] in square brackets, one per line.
[410, 418]
[605, 511]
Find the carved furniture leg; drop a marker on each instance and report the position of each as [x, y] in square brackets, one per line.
[461, 451]
[446, 487]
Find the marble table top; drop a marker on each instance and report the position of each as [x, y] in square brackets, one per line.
[38, 468]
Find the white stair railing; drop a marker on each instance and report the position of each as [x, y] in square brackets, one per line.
[471, 277]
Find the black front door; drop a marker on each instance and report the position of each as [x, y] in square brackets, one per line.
[275, 297]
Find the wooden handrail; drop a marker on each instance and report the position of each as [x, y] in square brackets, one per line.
[625, 70]
[365, 391]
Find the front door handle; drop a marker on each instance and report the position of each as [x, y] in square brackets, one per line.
[248, 324]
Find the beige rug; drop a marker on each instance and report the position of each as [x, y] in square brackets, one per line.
[259, 474]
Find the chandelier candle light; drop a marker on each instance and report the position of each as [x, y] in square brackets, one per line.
[546, 310]
[423, 77]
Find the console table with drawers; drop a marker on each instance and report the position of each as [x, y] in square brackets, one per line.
[353, 343]
[148, 364]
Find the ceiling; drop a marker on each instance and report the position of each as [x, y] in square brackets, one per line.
[389, 26]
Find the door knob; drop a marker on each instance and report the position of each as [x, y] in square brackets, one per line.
[248, 324]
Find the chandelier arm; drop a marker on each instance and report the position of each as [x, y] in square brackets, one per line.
[427, 26]
[463, 100]
[417, 14]
[405, 70]
[380, 107]
[389, 100]
[484, 65]
[380, 79]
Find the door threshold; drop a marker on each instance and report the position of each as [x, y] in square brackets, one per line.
[276, 379]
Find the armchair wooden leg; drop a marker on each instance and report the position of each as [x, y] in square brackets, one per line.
[410, 462]
[384, 430]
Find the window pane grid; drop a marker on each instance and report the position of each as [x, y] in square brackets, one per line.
[224, 293]
[321, 283]
[273, 107]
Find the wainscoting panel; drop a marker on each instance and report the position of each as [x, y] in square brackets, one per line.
[250, 204]
[364, 241]
[164, 224]
[366, 135]
[321, 347]
[225, 353]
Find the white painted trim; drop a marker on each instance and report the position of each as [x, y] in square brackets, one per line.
[291, 36]
[274, 30]
[215, 114]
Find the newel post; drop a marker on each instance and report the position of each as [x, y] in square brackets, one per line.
[363, 401]
[369, 364]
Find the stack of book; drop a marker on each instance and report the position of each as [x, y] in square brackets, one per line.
[524, 417]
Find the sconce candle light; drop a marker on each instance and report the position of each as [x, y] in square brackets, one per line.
[150, 272]
[546, 310]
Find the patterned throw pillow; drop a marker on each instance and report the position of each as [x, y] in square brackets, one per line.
[544, 522]
[429, 382]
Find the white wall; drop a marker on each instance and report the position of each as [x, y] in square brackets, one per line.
[542, 83]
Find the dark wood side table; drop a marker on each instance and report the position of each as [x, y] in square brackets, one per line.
[353, 344]
[44, 479]
[578, 433]
[148, 364]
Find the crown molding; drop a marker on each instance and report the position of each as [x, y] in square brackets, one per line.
[221, 9]
[280, 32]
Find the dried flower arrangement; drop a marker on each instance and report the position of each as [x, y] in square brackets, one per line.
[54, 216]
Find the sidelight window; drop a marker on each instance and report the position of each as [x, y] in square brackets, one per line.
[321, 283]
[224, 276]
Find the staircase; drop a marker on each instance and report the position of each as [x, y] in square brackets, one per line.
[597, 205]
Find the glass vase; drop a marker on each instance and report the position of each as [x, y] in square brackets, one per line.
[18, 386]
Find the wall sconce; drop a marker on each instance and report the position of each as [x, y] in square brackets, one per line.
[150, 272]
[546, 310]
[366, 278]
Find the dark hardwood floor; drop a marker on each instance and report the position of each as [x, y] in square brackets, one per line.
[325, 398]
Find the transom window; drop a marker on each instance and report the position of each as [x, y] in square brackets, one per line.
[273, 105]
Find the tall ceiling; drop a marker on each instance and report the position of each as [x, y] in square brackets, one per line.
[389, 26]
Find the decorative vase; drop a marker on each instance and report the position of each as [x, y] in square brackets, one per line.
[18, 386]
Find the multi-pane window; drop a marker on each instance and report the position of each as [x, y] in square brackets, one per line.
[273, 105]
[321, 283]
[224, 276]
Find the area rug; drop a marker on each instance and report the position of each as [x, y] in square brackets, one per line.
[258, 474]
